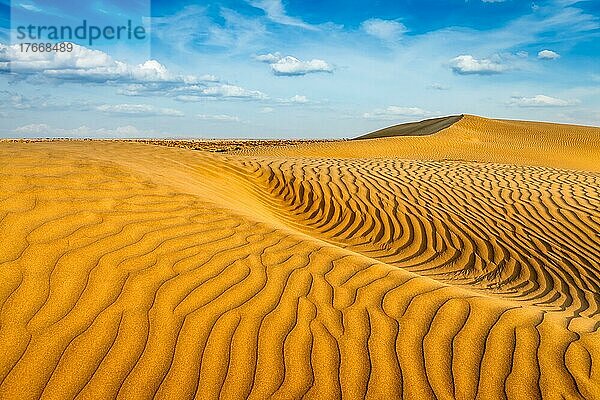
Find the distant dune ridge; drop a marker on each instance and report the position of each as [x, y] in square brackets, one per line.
[460, 263]
[421, 128]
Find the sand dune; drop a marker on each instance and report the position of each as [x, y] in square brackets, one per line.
[453, 265]
[469, 139]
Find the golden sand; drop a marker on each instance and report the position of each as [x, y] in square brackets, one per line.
[463, 264]
[472, 139]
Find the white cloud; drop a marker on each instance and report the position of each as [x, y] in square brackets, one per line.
[197, 93]
[541, 100]
[150, 78]
[85, 65]
[266, 110]
[80, 58]
[468, 65]
[388, 30]
[138, 109]
[292, 66]
[269, 58]
[219, 118]
[232, 91]
[276, 12]
[493, 1]
[548, 55]
[193, 92]
[396, 112]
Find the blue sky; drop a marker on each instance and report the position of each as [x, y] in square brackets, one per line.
[291, 68]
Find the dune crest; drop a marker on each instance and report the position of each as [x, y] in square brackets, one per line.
[421, 128]
[136, 271]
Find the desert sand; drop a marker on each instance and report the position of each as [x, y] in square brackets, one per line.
[462, 263]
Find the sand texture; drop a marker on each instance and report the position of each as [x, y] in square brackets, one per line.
[461, 264]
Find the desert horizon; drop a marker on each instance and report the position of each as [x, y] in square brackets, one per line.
[408, 129]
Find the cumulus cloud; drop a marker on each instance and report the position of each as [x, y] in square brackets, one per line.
[469, 65]
[84, 65]
[150, 78]
[269, 58]
[139, 110]
[218, 118]
[388, 30]
[292, 66]
[541, 100]
[80, 58]
[548, 55]
[149, 71]
[397, 112]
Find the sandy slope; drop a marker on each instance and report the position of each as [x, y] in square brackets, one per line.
[472, 139]
[135, 271]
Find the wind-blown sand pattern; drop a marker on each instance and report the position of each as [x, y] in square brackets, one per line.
[397, 267]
